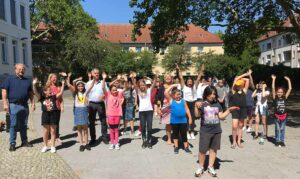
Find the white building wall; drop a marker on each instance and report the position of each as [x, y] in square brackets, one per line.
[281, 52]
[16, 32]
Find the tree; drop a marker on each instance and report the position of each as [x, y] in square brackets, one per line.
[144, 63]
[177, 54]
[243, 20]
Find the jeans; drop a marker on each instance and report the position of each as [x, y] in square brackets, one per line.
[280, 130]
[146, 118]
[99, 108]
[191, 106]
[18, 119]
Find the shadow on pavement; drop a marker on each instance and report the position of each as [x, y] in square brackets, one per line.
[125, 141]
[36, 141]
[66, 144]
[68, 136]
[217, 163]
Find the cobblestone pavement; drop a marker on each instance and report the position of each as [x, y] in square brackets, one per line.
[30, 162]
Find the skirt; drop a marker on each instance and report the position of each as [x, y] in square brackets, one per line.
[81, 116]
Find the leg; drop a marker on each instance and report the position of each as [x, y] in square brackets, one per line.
[86, 134]
[102, 116]
[13, 123]
[282, 131]
[149, 119]
[168, 131]
[132, 125]
[234, 132]
[53, 133]
[264, 122]
[250, 121]
[46, 134]
[57, 126]
[143, 124]
[257, 120]
[92, 118]
[240, 131]
[277, 130]
[79, 132]
[183, 131]
[201, 158]
[212, 157]
[22, 119]
[175, 129]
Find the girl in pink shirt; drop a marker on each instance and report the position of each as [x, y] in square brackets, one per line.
[114, 101]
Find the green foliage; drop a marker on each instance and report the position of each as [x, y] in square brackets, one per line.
[243, 20]
[177, 54]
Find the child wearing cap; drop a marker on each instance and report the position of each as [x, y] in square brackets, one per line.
[238, 98]
[80, 110]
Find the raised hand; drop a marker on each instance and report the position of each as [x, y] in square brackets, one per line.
[273, 77]
[104, 75]
[249, 72]
[35, 81]
[119, 76]
[69, 74]
[202, 67]
[63, 74]
[177, 66]
[124, 76]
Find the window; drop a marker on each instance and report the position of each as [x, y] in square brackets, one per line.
[22, 12]
[13, 12]
[3, 49]
[263, 47]
[138, 49]
[25, 55]
[279, 43]
[269, 46]
[15, 51]
[199, 49]
[2, 10]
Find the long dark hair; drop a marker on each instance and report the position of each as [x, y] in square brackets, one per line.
[208, 91]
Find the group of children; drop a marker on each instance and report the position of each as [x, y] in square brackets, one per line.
[179, 105]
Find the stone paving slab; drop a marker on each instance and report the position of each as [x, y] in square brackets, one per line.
[30, 162]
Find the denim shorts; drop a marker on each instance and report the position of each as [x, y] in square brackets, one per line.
[129, 112]
[261, 110]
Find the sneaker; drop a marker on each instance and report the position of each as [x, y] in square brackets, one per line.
[117, 147]
[212, 171]
[249, 130]
[81, 148]
[176, 150]
[277, 144]
[282, 144]
[193, 136]
[187, 150]
[199, 172]
[188, 136]
[124, 133]
[87, 147]
[53, 149]
[111, 147]
[138, 133]
[12, 147]
[44, 149]
[244, 128]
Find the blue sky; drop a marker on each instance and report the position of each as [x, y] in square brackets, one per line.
[113, 11]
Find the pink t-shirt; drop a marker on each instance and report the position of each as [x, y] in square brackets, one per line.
[114, 104]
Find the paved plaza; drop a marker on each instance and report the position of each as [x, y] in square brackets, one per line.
[253, 161]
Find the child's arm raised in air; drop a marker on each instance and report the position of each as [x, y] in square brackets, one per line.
[34, 88]
[104, 76]
[181, 80]
[200, 74]
[167, 92]
[62, 88]
[273, 86]
[154, 80]
[223, 115]
[289, 86]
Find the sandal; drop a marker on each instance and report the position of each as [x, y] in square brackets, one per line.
[233, 146]
[240, 146]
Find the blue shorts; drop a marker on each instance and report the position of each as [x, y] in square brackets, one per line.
[129, 113]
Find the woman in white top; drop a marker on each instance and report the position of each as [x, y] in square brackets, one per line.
[190, 96]
[261, 109]
[145, 108]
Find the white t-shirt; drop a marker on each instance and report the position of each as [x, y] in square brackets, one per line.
[262, 100]
[189, 94]
[96, 92]
[145, 102]
[200, 90]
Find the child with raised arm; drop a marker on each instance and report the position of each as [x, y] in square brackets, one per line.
[50, 112]
[178, 120]
[81, 118]
[279, 101]
[114, 101]
[210, 130]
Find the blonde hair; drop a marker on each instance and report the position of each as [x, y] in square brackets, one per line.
[48, 83]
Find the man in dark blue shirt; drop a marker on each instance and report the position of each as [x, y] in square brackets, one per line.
[16, 90]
